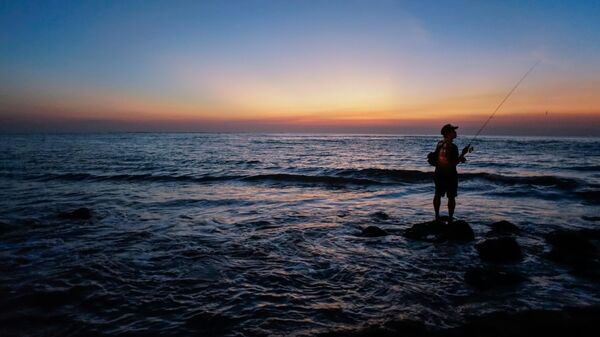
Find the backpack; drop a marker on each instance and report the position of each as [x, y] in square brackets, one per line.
[432, 157]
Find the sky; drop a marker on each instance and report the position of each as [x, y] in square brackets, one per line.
[404, 67]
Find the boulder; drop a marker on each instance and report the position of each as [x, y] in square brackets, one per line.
[503, 228]
[459, 231]
[438, 231]
[488, 278]
[504, 249]
[576, 250]
[380, 215]
[570, 244]
[373, 231]
[425, 231]
[82, 213]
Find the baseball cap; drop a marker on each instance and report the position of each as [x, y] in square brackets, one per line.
[448, 128]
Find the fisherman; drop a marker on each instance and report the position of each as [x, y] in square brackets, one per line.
[446, 177]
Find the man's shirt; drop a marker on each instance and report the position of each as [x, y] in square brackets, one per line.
[447, 156]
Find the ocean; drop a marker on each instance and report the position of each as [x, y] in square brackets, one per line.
[260, 234]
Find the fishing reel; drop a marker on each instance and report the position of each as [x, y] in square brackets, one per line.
[469, 149]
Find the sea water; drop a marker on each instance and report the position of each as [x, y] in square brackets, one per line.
[259, 234]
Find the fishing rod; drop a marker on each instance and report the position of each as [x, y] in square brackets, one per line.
[501, 103]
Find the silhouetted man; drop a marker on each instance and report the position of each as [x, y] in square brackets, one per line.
[446, 177]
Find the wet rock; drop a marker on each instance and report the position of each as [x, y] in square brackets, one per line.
[576, 250]
[373, 231]
[503, 228]
[570, 244]
[380, 215]
[82, 213]
[488, 278]
[459, 231]
[504, 249]
[425, 231]
[438, 231]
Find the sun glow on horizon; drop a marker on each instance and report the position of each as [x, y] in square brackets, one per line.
[305, 64]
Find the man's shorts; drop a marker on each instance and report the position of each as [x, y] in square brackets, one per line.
[446, 184]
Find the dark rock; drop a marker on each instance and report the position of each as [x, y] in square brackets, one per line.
[438, 231]
[503, 227]
[592, 234]
[380, 215]
[82, 213]
[570, 244]
[444, 218]
[488, 278]
[575, 250]
[425, 231]
[459, 231]
[504, 249]
[373, 231]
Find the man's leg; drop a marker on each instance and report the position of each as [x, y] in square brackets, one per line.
[451, 206]
[436, 206]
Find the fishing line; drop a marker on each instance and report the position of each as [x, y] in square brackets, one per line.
[501, 103]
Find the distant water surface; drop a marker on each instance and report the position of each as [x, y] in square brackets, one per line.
[246, 234]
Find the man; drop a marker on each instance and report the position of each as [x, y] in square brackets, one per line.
[446, 177]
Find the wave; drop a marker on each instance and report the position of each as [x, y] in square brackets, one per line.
[414, 176]
[131, 177]
[591, 168]
[319, 179]
[371, 176]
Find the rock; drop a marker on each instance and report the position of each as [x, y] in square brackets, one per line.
[425, 231]
[576, 250]
[503, 227]
[437, 231]
[487, 278]
[504, 249]
[380, 215]
[373, 231]
[570, 244]
[459, 231]
[78, 214]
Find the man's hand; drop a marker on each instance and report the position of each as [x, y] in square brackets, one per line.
[462, 159]
[465, 150]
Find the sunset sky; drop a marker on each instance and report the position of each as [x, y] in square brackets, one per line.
[299, 66]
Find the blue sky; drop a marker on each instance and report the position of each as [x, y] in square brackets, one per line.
[340, 61]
